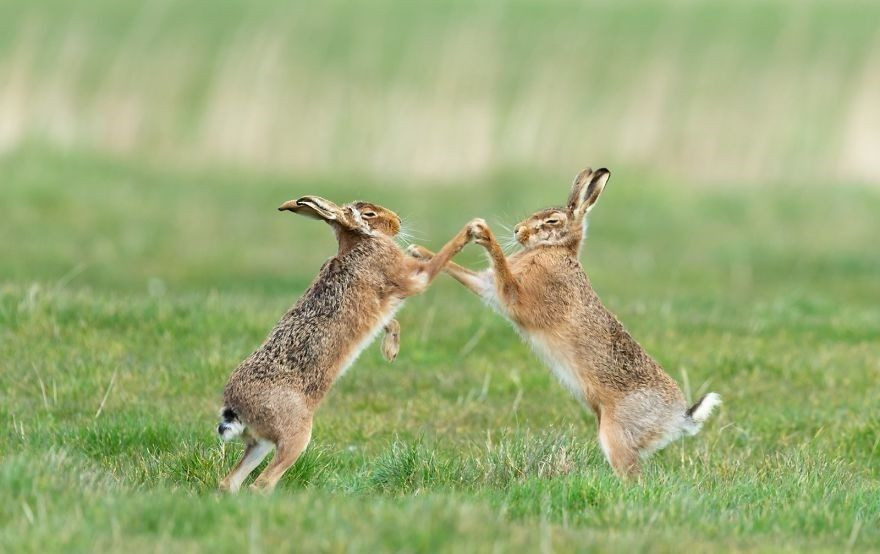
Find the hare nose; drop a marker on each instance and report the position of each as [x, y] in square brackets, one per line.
[517, 229]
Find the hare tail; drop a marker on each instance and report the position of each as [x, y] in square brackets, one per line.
[700, 412]
[230, 426]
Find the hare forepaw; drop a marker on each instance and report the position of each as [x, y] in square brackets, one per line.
[478, 231]
[391, 341]
[418, 252]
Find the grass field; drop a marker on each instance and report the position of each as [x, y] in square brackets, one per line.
[144, 147]
[128, 292]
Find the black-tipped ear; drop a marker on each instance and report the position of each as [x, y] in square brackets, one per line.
[314, 207]
[590, 193]
[580, 180]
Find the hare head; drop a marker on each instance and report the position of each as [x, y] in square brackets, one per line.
[375, 217]
[564, 226]
[362, 218]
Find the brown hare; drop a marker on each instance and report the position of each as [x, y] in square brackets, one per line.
[544, 292]
[271, 397]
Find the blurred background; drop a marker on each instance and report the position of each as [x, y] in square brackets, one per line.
[699, 91]
[149, 142]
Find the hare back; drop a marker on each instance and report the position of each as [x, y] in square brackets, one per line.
[566, 323]
[346, 305]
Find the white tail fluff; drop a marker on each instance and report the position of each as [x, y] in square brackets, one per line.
[702, 410]
[230, 426]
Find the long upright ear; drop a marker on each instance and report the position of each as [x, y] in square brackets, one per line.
[589, 194]
[580, 181]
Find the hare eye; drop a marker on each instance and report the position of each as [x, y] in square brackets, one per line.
[369, 214]
[552, 221]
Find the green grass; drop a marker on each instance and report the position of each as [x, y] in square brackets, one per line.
[128, 293]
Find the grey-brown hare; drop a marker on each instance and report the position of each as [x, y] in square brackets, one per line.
[271, 397]
[544, 292]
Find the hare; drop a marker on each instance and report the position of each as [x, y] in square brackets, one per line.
[544, 292]
[271, 397]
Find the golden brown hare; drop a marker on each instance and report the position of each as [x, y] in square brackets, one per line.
[271, 397]
[545, 293]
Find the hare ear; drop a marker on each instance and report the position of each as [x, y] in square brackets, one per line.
[590, 193]
[314, 207]
[580, 180]
[322, 209]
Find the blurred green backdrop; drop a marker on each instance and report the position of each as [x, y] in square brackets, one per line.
[701, 90]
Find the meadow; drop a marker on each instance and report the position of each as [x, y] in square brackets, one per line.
[145, 147]
[130, 291]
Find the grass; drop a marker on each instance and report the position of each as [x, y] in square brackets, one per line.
[129, 291]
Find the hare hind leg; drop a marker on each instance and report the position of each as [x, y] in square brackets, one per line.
[254, 452]
[288, 450]
[620, 452]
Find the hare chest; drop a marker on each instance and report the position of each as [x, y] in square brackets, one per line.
[556, 359]
[368, 337]
[551, 353]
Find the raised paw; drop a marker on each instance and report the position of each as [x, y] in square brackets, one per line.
[418, 252]
[478, 231]
[391, 341]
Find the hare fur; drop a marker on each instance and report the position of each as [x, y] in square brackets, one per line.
[544, 291]
[271, 397]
